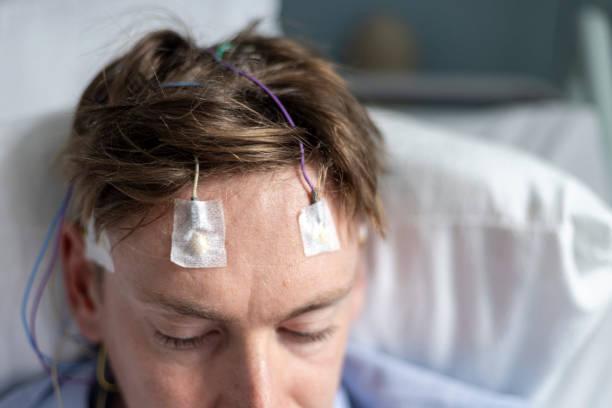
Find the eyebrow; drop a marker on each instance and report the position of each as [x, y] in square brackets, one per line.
[189, 309]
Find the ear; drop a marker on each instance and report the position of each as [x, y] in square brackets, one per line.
[360, 288]
[81, 282]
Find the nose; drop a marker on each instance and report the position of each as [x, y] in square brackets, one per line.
[254, 381]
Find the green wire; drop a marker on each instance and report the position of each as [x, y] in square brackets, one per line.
[222, 49]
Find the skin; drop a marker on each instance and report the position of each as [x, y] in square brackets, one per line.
[268, 330]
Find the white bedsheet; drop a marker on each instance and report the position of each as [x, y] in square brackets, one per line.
[565, 134]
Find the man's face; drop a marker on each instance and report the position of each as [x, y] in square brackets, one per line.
[268, 330]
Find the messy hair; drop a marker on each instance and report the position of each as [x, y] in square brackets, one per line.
[133, 142]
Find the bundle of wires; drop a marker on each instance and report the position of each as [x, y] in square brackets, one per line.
[52, 236]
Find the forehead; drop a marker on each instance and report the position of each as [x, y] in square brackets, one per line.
[263, 242]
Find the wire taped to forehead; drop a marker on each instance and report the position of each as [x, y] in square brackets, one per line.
[198, 231]
[316, 222]
[198, 237]
[318, 229]
[198, 234]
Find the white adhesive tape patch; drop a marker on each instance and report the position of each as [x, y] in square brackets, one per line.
[98, 251]
[318, 229]
[198, 234]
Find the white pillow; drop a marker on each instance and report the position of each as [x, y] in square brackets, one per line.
[52, 49]
[558, 131]
[497, 269]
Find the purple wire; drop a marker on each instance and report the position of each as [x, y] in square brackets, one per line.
[280, 105]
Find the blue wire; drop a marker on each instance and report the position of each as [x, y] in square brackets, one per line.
[28, 289]
[178, 84]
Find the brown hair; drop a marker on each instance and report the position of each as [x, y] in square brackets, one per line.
[133, 142]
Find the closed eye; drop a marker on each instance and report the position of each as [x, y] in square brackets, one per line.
[189, 343]
[309, 337]
[178, 343]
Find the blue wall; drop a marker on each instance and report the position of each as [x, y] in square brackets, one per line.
[530, 37]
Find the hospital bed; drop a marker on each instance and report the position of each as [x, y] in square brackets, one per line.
[497, 268]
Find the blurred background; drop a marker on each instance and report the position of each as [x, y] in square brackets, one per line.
[503, 39]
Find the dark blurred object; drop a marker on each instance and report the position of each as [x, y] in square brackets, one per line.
[382, 43]
[522, 38]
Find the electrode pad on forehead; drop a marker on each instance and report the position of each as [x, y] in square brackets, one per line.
[198, 234]
[98, 251]
[318, 229]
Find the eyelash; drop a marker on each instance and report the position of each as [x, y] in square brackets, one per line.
[314, 337]
[177, 343]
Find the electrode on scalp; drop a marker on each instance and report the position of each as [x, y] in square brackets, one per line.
[198, 235]
[318, 229]
[198, 232]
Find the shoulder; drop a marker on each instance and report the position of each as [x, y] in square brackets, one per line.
[75, 386]
[26, 395]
